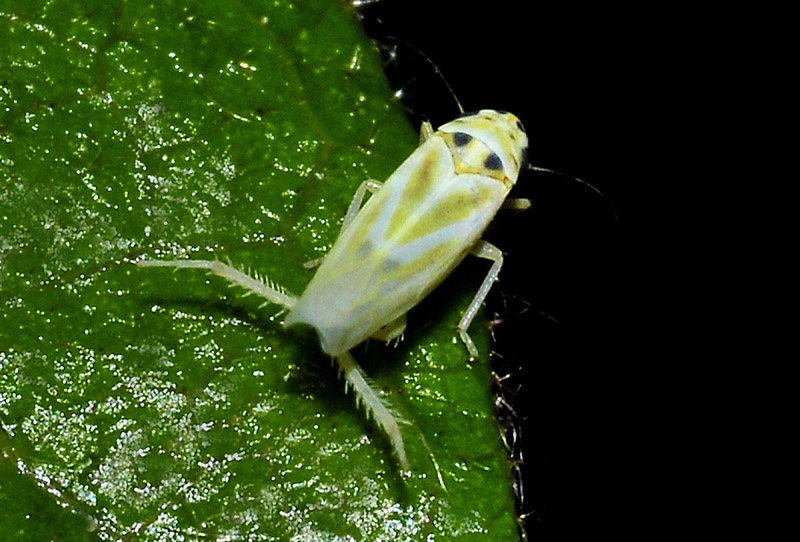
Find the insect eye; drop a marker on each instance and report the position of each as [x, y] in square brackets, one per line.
[493, 162]
[461, 139]
[520, 127]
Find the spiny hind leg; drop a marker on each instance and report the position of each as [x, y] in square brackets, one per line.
[267, 290]
[375, 405]
[485, 250]
[371, 186]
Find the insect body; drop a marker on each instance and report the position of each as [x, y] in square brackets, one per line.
[402, 243]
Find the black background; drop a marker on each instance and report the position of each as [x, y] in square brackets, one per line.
[574, 303]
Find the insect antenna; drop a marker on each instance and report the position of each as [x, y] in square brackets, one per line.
[433, 65]
[581, 181]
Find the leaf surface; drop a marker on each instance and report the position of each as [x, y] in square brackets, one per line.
[146, 404]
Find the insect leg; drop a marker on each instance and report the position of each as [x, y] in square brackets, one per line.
[374, 404]
[370, 185]
[426, 131]
[482, 249]
[267, 290]
[516, 204]
[391, 331]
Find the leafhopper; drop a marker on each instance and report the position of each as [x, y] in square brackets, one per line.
[398, 246]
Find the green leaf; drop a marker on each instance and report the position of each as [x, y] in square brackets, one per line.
[148, 404]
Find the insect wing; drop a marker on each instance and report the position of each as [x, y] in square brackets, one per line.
[400, 246]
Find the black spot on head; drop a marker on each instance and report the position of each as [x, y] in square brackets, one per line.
[461, 139]
[493, 162]
[520, 127]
